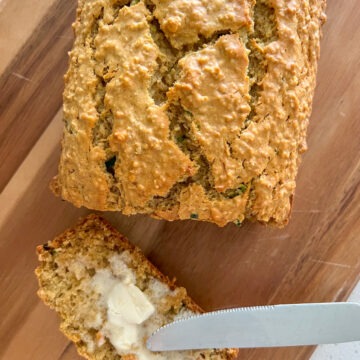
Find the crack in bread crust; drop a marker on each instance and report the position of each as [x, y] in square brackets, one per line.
[163, 110]
[181, 118]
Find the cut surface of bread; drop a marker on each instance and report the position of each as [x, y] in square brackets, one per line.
[189, 109]
[109, 297]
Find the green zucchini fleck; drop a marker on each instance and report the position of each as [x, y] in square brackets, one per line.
[181, 138]
[237, 222]
[231, 193]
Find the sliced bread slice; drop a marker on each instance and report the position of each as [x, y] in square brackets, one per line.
[110, 298]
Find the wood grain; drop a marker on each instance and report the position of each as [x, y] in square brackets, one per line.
[31, 86]
[315, 258]
[16, 25]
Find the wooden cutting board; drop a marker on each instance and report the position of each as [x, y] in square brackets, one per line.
[315, 258]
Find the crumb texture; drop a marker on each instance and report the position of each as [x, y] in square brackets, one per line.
[189, 109]
[80, 266]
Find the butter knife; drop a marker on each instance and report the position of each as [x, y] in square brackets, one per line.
[263, 326]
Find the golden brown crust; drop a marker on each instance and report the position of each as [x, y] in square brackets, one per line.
[112, 239]
[95, 232]
[164, 97]
[185, 22]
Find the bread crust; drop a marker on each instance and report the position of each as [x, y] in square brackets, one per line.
[182, 116]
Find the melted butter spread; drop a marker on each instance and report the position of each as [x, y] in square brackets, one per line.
[127, 308]
[184, 22]
[245, 138]
[127, 316]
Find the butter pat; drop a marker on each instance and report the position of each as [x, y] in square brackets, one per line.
[127, 308]
[129, 303]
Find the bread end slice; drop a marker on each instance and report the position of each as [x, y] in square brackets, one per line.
[82, 275]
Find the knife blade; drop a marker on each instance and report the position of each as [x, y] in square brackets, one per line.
[262, 326]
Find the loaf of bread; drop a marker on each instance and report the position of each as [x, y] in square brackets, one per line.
[109, 296]
[189, 109]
